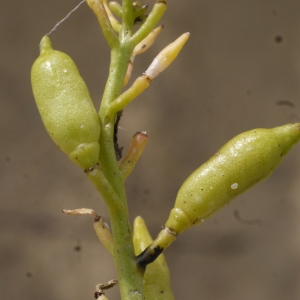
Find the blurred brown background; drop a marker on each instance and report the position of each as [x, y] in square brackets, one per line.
[239, 70]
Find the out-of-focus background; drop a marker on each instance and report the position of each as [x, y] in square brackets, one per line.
[239, 70]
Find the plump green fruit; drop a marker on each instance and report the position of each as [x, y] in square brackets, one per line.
[65, 106]
[157, 276]
[246, 160]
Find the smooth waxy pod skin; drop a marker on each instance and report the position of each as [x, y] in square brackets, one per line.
[65, 106]
[244, 161]
[157, 276]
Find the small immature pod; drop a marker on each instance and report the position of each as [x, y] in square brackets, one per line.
[116, 8]
[157, 276]
[246, 160]
[65, 106]
[136, 148]
[103, 233]
[113, 21]
[129, 71]
[147, 42]
[166, 56]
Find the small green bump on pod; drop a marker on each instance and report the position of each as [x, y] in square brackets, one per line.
[85, 155]
[45, 44]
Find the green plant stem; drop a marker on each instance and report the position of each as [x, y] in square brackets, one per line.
[130, 275]
[108, 178]
[127, 20]
[119, 63]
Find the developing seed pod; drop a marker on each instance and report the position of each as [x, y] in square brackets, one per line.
[136, 148]
[147, 42]
[157, 276]
[115, 24]
[103, 233]
[166, 56]
[116, 8]
[246, 160]
[65, 106]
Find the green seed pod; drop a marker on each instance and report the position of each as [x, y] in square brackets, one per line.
[246, 160]
[65, 106]
[157, 276]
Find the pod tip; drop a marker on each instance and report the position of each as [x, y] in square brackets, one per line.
[45, 44]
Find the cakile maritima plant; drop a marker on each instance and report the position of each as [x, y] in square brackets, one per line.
[89, 139]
